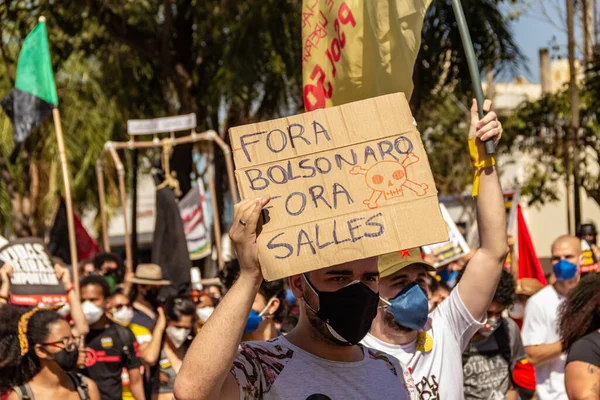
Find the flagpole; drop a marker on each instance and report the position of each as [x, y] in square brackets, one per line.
[68, 199]
[472, 63]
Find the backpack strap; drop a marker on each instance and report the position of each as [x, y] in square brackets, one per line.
[81, 384]
[24, 392]
[124, 339]
[503, 340]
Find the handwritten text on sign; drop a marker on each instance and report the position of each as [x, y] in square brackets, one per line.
[346, 183]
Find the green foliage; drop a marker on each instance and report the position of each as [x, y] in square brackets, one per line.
[230, 62]
[541, 129]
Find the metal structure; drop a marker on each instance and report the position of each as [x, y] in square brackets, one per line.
[154, 127]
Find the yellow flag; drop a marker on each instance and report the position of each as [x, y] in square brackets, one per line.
[357, 49]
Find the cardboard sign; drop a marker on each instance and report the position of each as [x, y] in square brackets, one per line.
[455, 248]
[346, 183]
[34, 280]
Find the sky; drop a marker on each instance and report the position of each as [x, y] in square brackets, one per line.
[535, 28]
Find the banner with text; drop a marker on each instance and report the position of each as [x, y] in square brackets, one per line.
[358, 49]
[346, 183]
[34, 279]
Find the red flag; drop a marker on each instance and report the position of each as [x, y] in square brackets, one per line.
[529, 263]
[59, 237]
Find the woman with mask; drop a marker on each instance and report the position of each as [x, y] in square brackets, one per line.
[179, 332]
[579, 327]
[268, 307]
[37, 354]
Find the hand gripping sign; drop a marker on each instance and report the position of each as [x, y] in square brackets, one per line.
[346, 183]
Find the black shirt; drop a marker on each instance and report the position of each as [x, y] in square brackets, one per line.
[586, 349]
[109, 350]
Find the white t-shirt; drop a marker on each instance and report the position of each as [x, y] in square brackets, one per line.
[279, 370]
[438, 373]
[540, 326]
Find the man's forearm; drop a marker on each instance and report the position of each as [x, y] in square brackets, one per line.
[136, 384]
[151, 352]
[210, 357]
[491, 216]
[4, 292]
[543, 353]
[79, 321]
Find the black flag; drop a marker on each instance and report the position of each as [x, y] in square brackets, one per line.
[169, 245]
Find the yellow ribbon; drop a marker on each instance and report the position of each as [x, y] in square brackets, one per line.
[478, 163]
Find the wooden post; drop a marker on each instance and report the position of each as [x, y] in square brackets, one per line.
[574, 95]
[68, 199]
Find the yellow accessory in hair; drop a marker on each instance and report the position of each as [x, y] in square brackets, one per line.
[24, 325]
[478, 163]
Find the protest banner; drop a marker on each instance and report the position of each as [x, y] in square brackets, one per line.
[346, 183]
[355, 50]
[34, 280]
[456, 246]
[193, 212]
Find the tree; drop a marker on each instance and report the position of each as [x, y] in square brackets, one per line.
[541, 128]
[230, 62]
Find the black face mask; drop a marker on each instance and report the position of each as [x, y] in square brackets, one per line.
[66, 359]
[348, 312]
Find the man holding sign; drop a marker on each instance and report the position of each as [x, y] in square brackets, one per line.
[431, 346]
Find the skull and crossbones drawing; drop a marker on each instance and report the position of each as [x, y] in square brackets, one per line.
[388, 178]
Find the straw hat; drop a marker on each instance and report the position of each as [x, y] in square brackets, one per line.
[149, 274]
[528, 286]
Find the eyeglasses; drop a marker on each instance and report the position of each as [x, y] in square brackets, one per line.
[69, 343]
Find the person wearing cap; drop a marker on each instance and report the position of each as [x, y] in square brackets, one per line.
[430, 346]
[540, 327]
[148, 281]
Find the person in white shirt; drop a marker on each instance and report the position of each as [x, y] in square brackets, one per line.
[540, 327]
[431, 347]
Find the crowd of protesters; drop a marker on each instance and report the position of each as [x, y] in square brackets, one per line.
[387, 327]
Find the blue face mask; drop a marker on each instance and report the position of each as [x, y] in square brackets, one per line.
[409, 307]
[564, 270]
[255, 318]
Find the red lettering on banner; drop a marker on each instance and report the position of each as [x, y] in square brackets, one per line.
[321, 89]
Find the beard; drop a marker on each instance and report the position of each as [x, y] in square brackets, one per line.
[390, 322]
[320, 329]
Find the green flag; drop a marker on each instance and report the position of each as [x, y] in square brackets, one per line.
[34, 95]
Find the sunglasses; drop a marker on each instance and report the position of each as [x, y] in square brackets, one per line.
[69, 343]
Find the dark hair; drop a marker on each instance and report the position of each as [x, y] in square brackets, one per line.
[268, 290]
[14, 369]
[505, 291]
[96, 280]
[579, 314]
[177, 307]
[101, 258]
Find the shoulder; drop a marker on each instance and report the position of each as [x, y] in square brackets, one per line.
[265, 352]
[511, 326]
[390, 362]
[586, 349]
[122, 331]
[258, 364]
[141, 333]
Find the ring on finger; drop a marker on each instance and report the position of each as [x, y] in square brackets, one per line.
[244, 223]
